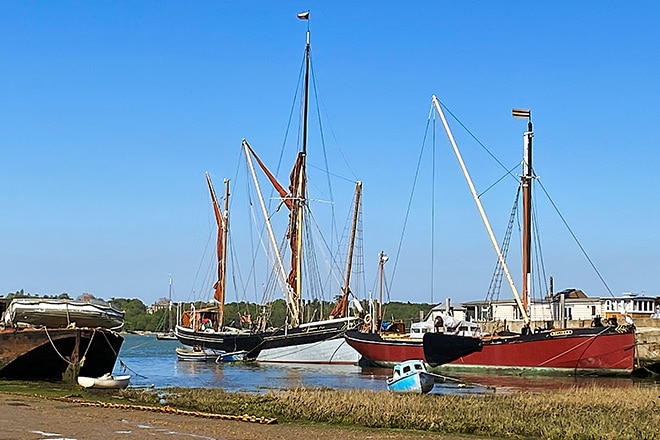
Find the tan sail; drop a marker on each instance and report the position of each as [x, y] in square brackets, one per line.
[221, 245]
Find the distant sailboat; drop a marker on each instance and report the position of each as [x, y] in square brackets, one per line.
[169, 333]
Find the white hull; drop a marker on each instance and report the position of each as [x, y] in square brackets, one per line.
[332, 351]
[105, 382]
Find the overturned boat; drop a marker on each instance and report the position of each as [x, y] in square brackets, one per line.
[63, 313]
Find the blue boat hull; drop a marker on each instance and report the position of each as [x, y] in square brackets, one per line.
[418, 382]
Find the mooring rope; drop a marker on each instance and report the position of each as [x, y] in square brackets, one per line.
[169, 410]
[127, 368]
[55, 348]
[84, 356]
[82, 359]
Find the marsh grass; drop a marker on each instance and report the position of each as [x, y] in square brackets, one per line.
[580, 413]
[575, 413]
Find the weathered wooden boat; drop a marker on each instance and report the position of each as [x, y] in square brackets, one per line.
[107, 381]
[600, 349]
[411, 377]
[37, 351]
[57, 353]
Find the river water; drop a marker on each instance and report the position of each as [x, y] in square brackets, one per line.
[153, 362]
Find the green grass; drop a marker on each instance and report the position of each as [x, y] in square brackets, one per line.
[574, 413]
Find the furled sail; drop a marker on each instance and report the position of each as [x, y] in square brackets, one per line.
[221, 246]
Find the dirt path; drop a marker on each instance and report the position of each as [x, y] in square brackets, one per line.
[34, 418]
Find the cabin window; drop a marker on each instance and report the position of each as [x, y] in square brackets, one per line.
[415, 330]
[593, 310]
[406, 369]
[418, 366]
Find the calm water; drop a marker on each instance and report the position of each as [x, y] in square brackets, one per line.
[154, 363]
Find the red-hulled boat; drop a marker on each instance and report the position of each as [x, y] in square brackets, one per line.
[602, 350]
[388, 346]
[384, 351]
[606, 350]
[387, 351]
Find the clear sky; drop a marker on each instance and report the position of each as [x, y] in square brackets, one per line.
[111, 112]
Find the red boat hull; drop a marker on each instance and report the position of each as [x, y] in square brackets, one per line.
[387, 351]
[570, 351]
[384, 352]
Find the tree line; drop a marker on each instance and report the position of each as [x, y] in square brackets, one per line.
[139, 317]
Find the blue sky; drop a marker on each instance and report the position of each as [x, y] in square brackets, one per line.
[112, 112]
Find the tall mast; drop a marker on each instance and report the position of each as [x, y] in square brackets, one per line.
[306, 91]
[381, 263]
[169, 306]
[341, 309]
[299, 190]
[526, 182]
[225, 234]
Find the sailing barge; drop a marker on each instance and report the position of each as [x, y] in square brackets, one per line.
[599, 349]
[319, 341]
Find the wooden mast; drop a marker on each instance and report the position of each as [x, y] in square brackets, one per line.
[381, 263]
[526, 182]
[225, 234]
[341, 309]
[298, 183]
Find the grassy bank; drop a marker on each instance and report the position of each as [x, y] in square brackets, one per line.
[576, 413]
[579, 413]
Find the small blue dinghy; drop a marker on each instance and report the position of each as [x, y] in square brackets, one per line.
[411, 377]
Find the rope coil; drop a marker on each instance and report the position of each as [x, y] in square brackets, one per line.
[169, 410]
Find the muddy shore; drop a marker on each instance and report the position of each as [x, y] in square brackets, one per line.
[25, 417]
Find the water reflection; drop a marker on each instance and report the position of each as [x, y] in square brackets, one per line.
[154, 363]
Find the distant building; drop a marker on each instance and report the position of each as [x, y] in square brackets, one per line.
[160, 305]
[577, 306]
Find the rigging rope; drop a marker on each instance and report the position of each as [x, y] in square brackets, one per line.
[412, 191]
[477, 140]
[498, 272]
[584, 252]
